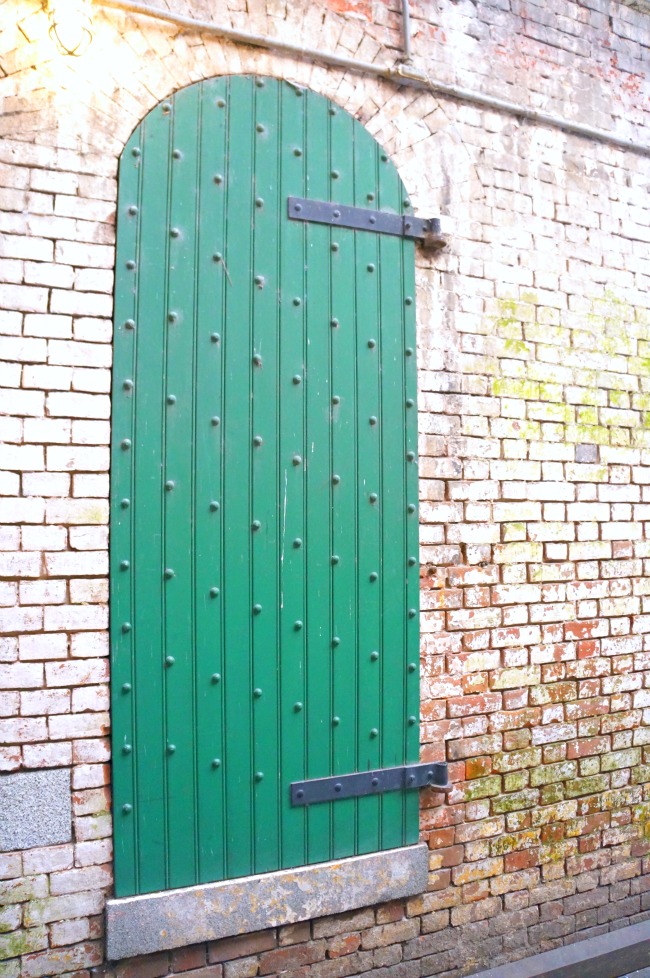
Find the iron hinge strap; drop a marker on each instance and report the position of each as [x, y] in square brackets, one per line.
[363, 219]
[434, 776]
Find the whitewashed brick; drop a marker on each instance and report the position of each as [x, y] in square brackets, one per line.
[21, 619]
[48, 326]
[88, 591]
[10, 374]
[11, 431]
[79, 405]
[92, 329]
[86, 459]
[91, 433]
[55, 275]
[9, 486]
[47, 755]
[44, 537]
[90, 485]
[78, 564]
[74, 726]
[22, 402]
[88, 537]
[20, 564]
[43, 646]
[94, 280]
[47, 430]
[75, 618]
[47, 859]
[17, 510]
[88, 645]
[48, 378]
[75, 354]
[44, 702]
[8, 594]
[23, 246]
[94, 699]
[84, 255]
[54, 182]
[25, 298]
[43, 592]
[91, 379]
[77, 511]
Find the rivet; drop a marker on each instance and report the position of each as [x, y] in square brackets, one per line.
[338, 787]
[412, 561]
[128, 385]
[297, 208]
[169, 573]
[171, 748]
[296, 460]
[336, 479]
[297, 625]
[336, 641]
[407, 225]
[336, 214]
[372, 344]
[297, 301]
[215, 421]
[374, 656]
[370, 267]
[384, 158]
[169, 660]
[259, 127]
[410, 456]
[174, 232]
[335, 174]
[372, 420]
[374, 732]
[177, 154]
[214, 506]
[372, 219]
[136, 151]
[299, 92]
[409, 351]
[297, 707]
[214, 592]
[257, 693]
[218, 178]
[409, 402]
[130, 265]
[373, 497]
[412, 721]
[333, 111]
[300, 793]
[412, 612]
[170, 485]
[125, 444]
[126, 687]
[216, 762]
[410, 508]
[297, 543]
[171, 399]
[257, 609]
[133, 209]
[336, 399]
[374, 782]
[412, 667]
[217, 256]
[296, 379]
[126, 749]
[221, 103]
[334, 323]
[260, 82]
[215, 678]
[166, 107]
[124, 565]
[126, 627]
[259, 776]
[172, 317]
[297, 152]
[127, 809]
[125, 503]
[408, 301]
[335, 246]
[374, 576]
[370, 196]
[406, 202]
[335, 723]
[411, 777]
[335, 558]
[257, 360]
[259, 202]
[214, 337]
[129, 324]
[255, 525]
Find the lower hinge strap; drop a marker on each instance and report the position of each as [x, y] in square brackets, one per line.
[434, 776]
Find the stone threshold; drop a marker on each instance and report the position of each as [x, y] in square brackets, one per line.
[176, 918]
[609, 955]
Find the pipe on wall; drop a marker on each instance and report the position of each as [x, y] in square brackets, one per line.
[402, 74]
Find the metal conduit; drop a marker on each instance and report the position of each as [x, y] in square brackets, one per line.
[402, 74]
[406, 29]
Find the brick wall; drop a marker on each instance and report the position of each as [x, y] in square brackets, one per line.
[534, 360]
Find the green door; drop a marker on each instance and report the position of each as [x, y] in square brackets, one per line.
[264, 572]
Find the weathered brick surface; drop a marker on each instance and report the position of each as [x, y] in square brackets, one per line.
[534, 377]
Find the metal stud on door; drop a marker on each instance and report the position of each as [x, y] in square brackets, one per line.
[264, 578]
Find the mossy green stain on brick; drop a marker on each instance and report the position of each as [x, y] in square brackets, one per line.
[516, 801]
[578, 787]
[515, 842]
[548, 773]
[482, 788]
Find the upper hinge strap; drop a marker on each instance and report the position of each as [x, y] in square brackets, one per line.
[363, 219]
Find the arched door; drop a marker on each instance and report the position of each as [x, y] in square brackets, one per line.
[264, 572]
